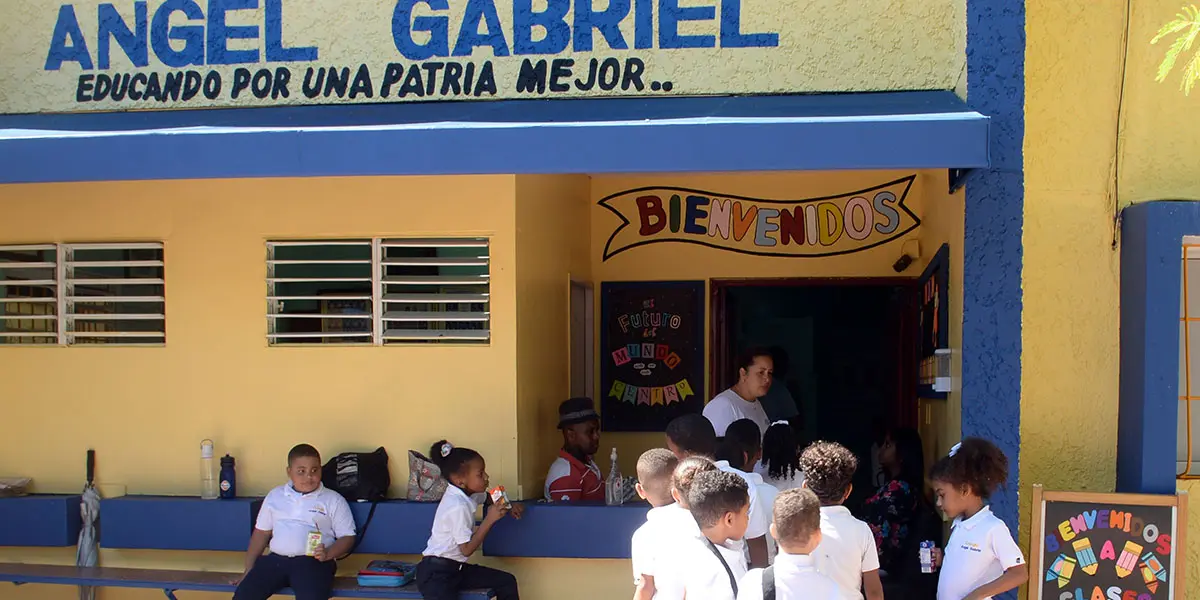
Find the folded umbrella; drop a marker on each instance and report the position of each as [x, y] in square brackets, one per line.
[87, 553]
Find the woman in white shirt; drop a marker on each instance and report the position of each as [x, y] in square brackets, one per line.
[755, 369]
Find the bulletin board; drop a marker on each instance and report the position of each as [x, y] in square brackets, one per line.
[651, 353]
[1099, 545]
[934, 321]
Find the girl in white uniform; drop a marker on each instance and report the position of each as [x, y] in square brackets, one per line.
[981, 559]
[780, 463]
[444, 569]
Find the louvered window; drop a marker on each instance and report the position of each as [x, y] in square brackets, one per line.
[378, 291]
[72, 294]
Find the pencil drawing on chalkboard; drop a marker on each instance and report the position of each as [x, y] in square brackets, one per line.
[1107, 546]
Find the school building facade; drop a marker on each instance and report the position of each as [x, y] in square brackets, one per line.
[261, 225]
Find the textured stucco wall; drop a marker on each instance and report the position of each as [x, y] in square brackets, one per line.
[822, 45]
[1160, 140]
[1160, 137]
[991, 329]
[1078, 173]
[1071, 273]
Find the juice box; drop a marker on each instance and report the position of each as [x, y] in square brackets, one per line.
[314, 542]
[499, 496]
[926, 557]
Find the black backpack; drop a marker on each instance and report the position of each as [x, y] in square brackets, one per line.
[768, 583]
[358, 476]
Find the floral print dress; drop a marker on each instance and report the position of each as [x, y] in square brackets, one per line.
[890, 514]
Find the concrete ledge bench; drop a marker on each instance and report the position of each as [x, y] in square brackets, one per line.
[44, 520]
[189, 523]
[577, 530]
[171, 581]
[177, 523]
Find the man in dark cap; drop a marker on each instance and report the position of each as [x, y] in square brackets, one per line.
[574, 476]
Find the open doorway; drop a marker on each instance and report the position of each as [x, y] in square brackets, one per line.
[850, 350]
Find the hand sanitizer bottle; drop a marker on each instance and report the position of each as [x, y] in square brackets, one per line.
[614, 487]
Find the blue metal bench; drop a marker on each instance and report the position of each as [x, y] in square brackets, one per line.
[171, 581]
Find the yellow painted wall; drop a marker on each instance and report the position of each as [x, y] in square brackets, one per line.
[1070, 276]
[552, 236]
[216, 377]
[1160, 137]
[1160, 140]
[676, 261]
[145, 410]
[940, 421]
[1078, 172]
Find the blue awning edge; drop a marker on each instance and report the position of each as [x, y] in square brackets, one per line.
[899, 130]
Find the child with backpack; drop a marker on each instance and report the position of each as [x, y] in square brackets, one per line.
[714, 559]
[796, 525]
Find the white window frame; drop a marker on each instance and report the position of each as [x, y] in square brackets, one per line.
[1189, 313]
[67, 302]
[388, 306]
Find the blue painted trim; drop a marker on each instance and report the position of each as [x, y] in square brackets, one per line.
[1147, 423]
[399, 526]
[911, 130]
[177, 523]
[166, 581]
[516, 112]
[992, 251]
[576, 530]
[40, 520]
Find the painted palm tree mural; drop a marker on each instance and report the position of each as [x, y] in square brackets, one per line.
[1185, 28]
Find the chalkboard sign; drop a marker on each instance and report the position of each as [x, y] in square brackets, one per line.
[651, 353]
[1089, 546]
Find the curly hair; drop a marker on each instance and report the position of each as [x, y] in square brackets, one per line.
[828, 470]
[977, 465]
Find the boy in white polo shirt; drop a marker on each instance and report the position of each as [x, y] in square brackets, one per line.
[714, 559]
[675, 530]
[288, 515]
[693, 435]
[794, 576]
[654, 470]
[847, 553]
[737, 453]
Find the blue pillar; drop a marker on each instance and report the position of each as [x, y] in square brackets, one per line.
[992, 252]
[1151, 283]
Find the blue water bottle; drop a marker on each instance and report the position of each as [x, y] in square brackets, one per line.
[228, 478]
